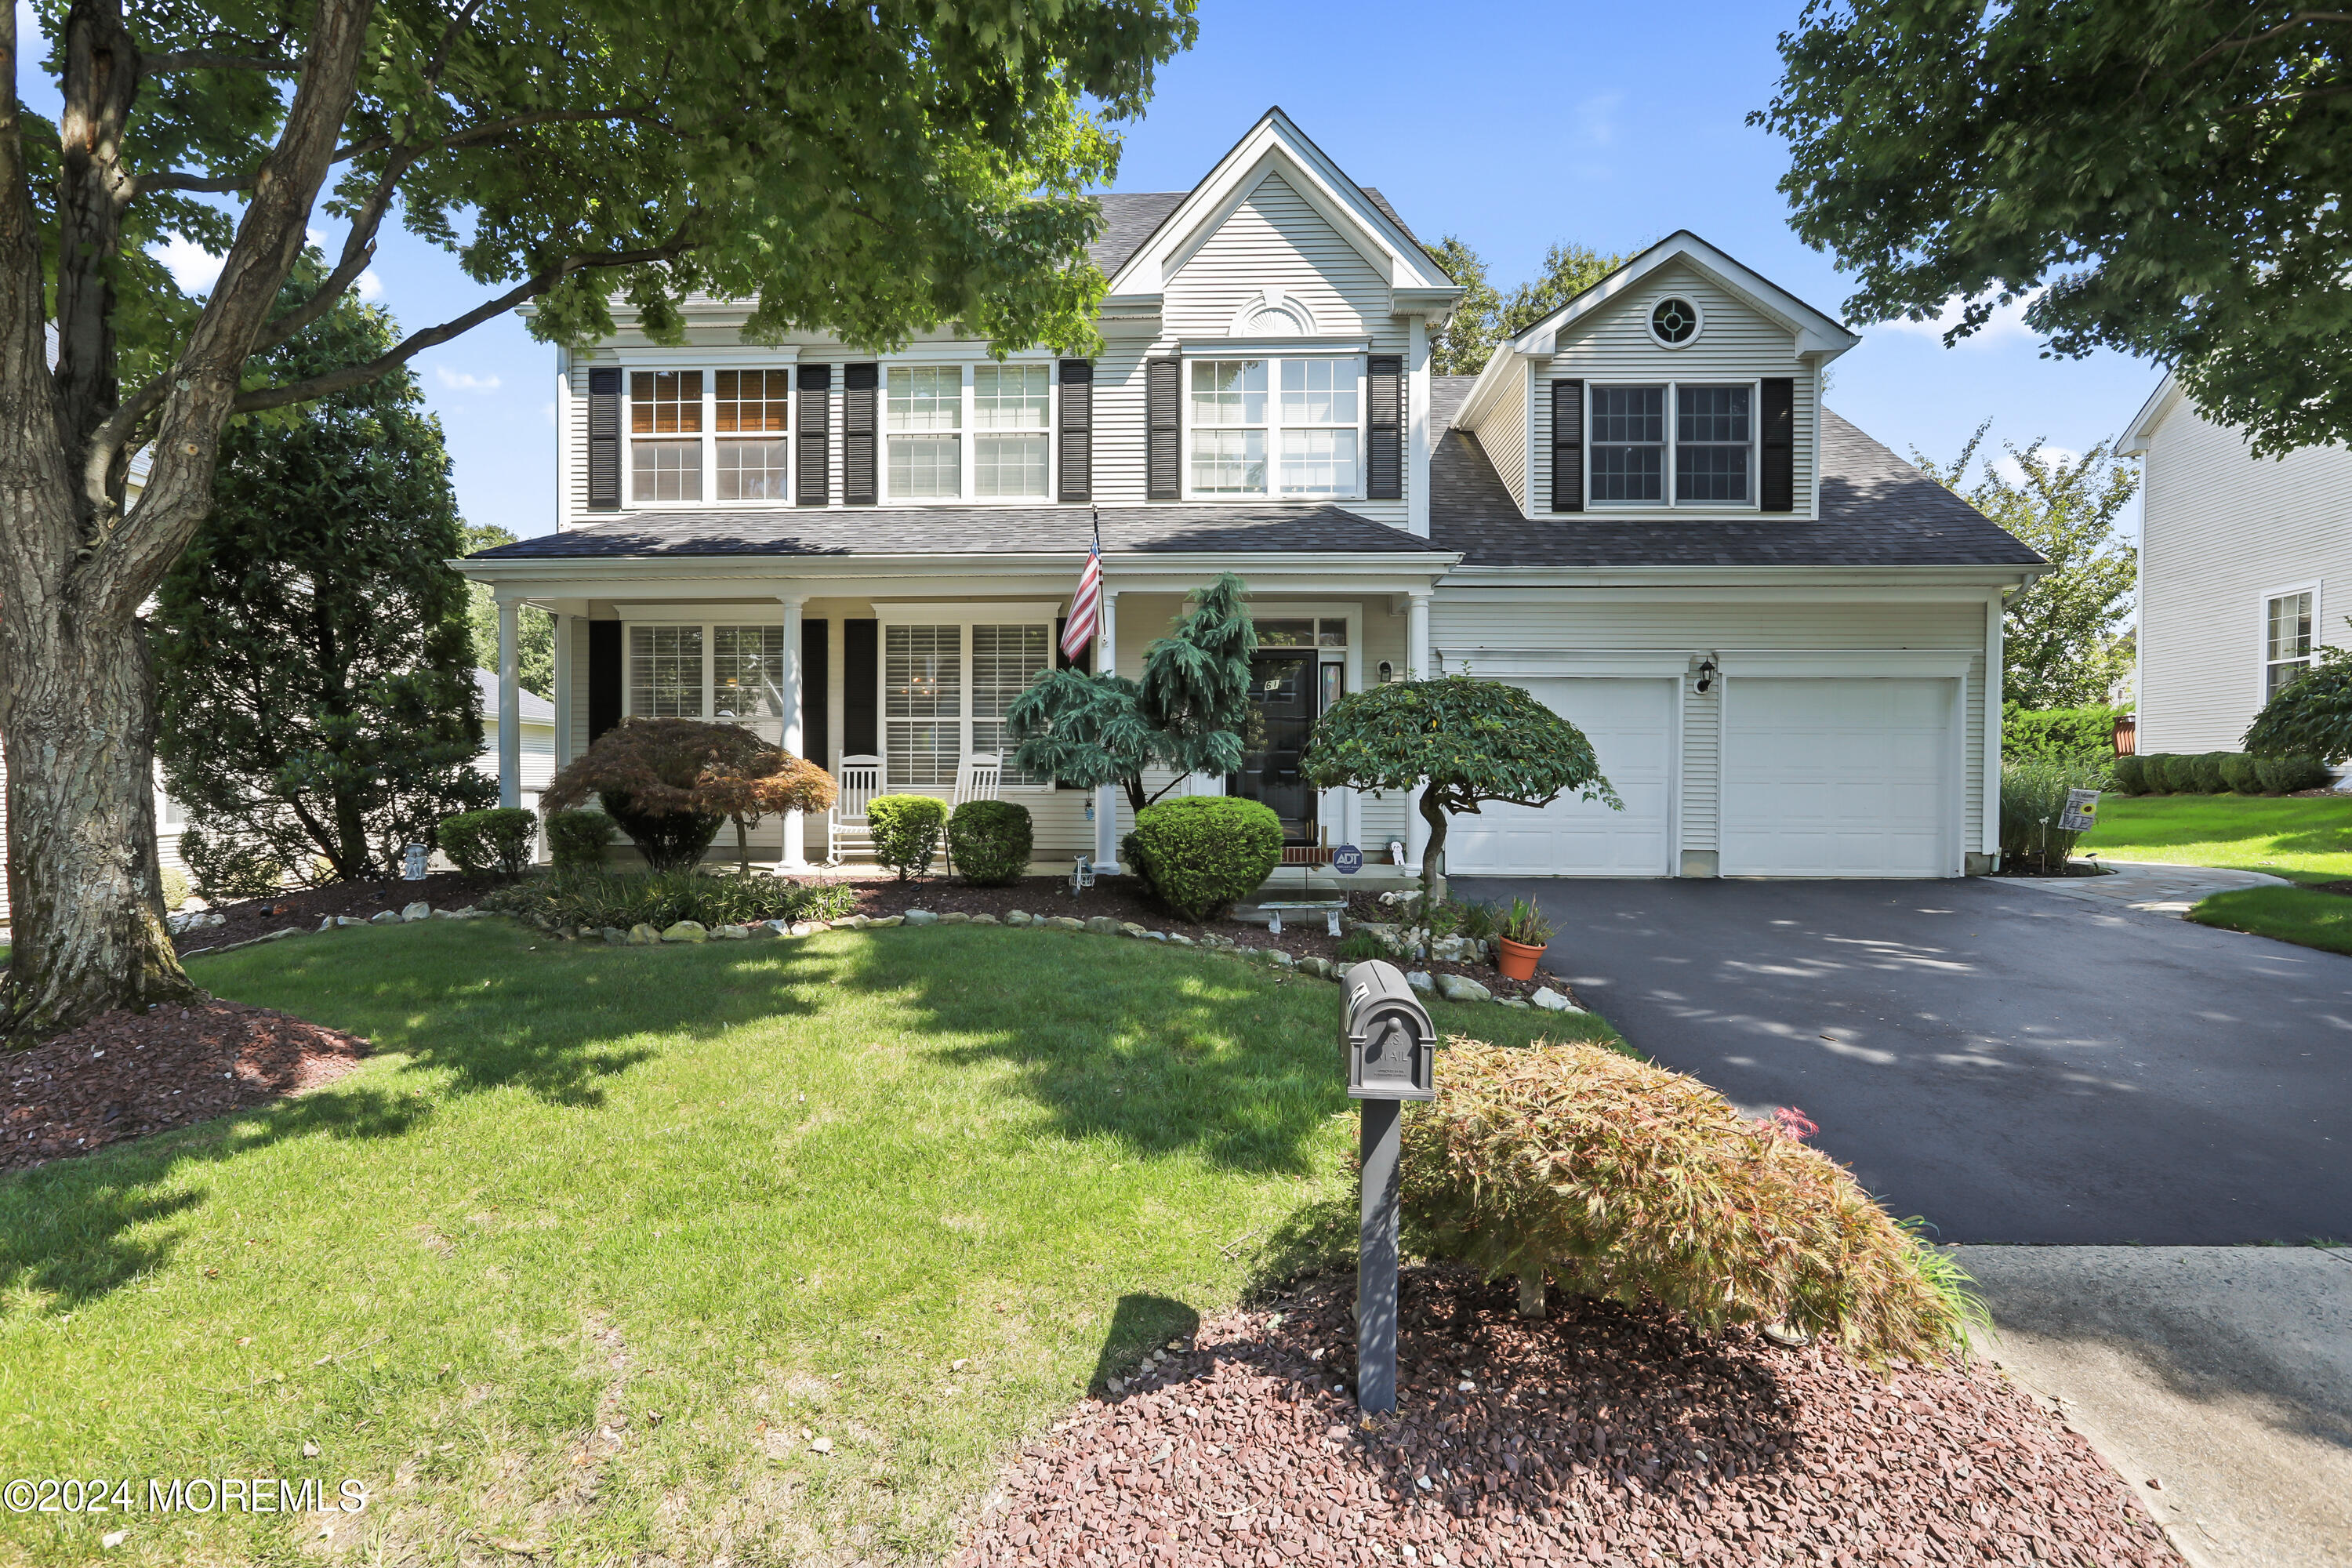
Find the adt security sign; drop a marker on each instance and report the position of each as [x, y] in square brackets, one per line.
[2082, 812]
[1347, 859]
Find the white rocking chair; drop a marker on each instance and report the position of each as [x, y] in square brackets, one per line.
[857, 782]
[982, 775]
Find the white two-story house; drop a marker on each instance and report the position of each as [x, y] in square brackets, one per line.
[1784, 642]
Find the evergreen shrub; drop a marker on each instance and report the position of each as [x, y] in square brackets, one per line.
[1203, 854]
[2205, 773]
[2059, 734]
[227, 867]
[496, 840]
[2241, 774]
[989, 842]
[2178, 774]
[2129, 774]
[906, 829]
[597, 897]
[577, 838]
[1621, 1180]
[2286, 775]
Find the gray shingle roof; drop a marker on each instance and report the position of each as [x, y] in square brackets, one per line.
[979, 531]
[535, 709]
[1876, 510]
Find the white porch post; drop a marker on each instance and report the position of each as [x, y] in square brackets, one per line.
[1416, 667]
[563, 689]
[510, 703]
[1106, 795]
[795, 855]
[1416, 374]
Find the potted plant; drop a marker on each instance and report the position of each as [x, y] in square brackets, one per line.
[1523, 933]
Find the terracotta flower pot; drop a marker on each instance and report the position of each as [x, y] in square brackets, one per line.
[1518, 960]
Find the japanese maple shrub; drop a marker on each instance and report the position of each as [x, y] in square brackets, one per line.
[1614, 1178]
[671, 784]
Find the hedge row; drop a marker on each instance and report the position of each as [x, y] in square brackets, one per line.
[2218, 773]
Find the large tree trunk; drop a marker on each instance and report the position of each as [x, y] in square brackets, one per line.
[78, 722]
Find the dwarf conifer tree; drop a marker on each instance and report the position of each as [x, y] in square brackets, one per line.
[316, 703]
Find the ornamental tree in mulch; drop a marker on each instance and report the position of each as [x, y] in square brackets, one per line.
[1464, 744]
[1621, 1180]
[1185, 715]
[672, 783]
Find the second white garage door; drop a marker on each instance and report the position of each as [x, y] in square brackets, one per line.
[1630, 725]
[1826, 777]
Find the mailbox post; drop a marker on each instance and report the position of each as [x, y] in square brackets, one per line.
[1391, 1057]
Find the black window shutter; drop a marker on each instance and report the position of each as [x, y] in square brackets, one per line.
[1568, 445]
[603, 676]
[814, 415]
[1385, 453]
[1164, 457]
[1078, 430]
[817, 710]
[857, 383]
[604, 439]
[861, 687]
[1776, 483]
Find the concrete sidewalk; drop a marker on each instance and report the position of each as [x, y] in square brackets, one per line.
[2224, 1374]
[2151, 887]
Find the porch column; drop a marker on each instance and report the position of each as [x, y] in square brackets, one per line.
[563, 689]
[510, 703]
[1416, 667]
[1106, 795]
[796, 855]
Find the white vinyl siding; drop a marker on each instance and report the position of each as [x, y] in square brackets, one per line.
[1737, 346]
[2222, 532]
[1503, 436]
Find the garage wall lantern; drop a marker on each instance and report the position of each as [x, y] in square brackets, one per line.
[1707, 667]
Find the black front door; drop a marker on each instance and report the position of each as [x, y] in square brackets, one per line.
[1282, 712]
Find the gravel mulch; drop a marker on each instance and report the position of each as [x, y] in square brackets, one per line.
[122, 1075]
[1304, 935]
[1600, 1436]
[302, 907]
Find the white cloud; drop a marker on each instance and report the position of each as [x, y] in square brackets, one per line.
[458, 381]
[192, 267]
[370, 286]
[2006, 325]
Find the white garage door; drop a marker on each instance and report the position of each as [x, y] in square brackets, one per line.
[1630, 725]
[1838, 778]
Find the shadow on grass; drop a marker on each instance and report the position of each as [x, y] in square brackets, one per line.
[1141, 1323]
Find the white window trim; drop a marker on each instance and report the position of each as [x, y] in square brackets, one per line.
[710, 440]
[1212, 350]
[968, 474]
[965, 613]
[1674, 502]
[708, 621]
[2263, 661]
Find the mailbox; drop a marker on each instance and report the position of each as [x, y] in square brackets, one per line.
[1392, 1048]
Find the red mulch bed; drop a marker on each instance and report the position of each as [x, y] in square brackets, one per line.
[122, 1075]
[303, 906]
[1125, 899]
[1602, 1437]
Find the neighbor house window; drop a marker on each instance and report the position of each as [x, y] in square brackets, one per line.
[1012, 412]
[666, 672]
[666, 435]
[2286, 641]
[753, 413]
[1628, 442]
[1229, 427]
[1711, 443]
[922, 704]
[924, 420]
[1319, 427]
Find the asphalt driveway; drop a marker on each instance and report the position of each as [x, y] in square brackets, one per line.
[2015, 1067]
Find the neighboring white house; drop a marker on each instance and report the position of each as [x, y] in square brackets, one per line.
[1784, 641]
[2245, 569]
[537, 729]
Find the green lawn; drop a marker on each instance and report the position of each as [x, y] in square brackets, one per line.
[2299, 915]
[2302, 839]
[571, 1267]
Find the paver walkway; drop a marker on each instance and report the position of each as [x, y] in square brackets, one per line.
[2151, 887]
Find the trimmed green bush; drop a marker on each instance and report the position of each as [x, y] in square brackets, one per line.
[577, 838]
[496, 840]
[592, 897]
[227, 868]
[2178, 773]
[1203, 854]
[176, 887]
[2205, 773]
[2286, 775]
[2129, 774]
[1621, 1180]
[2059, 734]
[989, 842]
[669, 840]
[905, 830]
[2032, 794]
[2241, 774]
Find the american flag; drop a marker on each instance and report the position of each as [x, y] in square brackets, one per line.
[1085, 604]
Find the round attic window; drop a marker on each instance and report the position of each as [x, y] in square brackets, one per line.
[1674, 320]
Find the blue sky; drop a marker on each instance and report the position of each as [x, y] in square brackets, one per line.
[1513, 125]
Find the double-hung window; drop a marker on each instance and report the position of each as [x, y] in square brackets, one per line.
[754, 415]
[666, 672]
[708, 670]
[924, 423]
[1012, 412]
[1711, 444]
[1228, 427]
[666, 435]
[1629, 444]
[1319, 427]
[1674, 444]
[2286, 640]
[922, 704]
[1004, 660]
